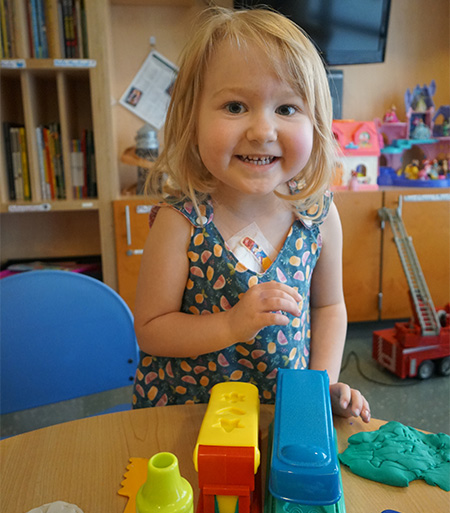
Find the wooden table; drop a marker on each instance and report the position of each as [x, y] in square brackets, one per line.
[83, 462]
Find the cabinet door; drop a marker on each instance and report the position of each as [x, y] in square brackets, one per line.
[428, 223]
[131, 229]
[361, 252]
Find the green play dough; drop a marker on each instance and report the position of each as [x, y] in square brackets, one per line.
[396, 454]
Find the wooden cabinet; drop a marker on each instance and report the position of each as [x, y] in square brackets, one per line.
[375, 285]
[74, 93]
[428, 224]
[361, 252]
[131, 218]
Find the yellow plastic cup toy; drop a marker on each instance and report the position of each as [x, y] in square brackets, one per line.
[164, 491]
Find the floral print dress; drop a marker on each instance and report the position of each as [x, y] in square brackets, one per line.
[215, 282]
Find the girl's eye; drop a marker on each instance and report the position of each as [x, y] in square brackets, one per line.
[286, 110]
[234, 107]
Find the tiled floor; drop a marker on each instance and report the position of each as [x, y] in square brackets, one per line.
[421, 404]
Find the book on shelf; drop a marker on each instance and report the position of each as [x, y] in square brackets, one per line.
[24, 163]
[9, 161]
[7, 34]
[82, 160]
[77, 168]
[17, 162]
[51, 168]
[37, 28]
[72, 17]
[53, 37]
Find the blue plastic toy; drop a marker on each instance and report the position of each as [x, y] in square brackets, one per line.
[304, 472]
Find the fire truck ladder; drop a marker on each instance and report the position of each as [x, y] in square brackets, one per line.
[424, 307]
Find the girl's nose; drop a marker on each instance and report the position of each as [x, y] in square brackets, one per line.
[262, 129]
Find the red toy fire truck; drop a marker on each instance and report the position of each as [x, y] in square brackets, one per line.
[421, 346]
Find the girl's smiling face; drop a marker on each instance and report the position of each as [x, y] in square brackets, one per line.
[253, 130]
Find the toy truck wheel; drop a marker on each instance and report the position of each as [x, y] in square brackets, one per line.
[444, 366]
[425, 370]
[443, 318]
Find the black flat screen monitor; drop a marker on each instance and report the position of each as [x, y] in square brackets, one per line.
[344, 31]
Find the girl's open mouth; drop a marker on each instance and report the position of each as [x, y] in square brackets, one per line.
[259, 161]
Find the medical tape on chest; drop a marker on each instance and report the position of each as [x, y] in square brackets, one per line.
[257, 252]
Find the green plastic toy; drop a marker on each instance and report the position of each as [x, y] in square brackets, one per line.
[164, 491]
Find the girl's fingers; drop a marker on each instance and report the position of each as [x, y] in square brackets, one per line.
[274, 287]
[350, 402]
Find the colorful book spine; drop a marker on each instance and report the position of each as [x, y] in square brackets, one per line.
[83, 30]
[50, 172]
[17, 162]
[58, 162]
[51, 18]
[25, 167]
[77, 168]
[9, 161]
[42, 29]
[83, 172]
[68, 22]
[4, 47]
[45, 191]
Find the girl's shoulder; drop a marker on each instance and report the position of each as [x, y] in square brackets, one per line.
[197, 217]
[316, 214]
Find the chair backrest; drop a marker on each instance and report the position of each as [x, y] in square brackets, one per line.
[62, 335]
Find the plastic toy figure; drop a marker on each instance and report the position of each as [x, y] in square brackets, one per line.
[353, 184]
[391, 115]
[412, 170]
[423, 175]
[421, 131]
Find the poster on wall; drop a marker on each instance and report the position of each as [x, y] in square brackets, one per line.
[148, 95]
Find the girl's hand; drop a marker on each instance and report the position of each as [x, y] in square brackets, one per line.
[264, 304]
[348, 402]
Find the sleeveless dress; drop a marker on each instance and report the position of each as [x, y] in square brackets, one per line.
[215, 282]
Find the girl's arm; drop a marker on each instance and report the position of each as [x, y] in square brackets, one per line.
[162, 330]
[328, 312]
[329, 319]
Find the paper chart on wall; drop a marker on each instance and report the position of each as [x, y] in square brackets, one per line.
[148, 95]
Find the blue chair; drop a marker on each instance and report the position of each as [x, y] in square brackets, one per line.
[62, 335]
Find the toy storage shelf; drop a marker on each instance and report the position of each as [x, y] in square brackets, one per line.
[71, 92]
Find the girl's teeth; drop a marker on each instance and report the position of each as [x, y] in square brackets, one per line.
[259, 161]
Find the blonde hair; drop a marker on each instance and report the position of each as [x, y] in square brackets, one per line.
[295, 60]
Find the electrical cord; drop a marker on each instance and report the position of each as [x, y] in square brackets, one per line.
[370, 379]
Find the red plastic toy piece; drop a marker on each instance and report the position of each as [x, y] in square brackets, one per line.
[227, 471]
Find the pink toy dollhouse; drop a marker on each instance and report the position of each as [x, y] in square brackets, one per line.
[359, 145]
[415, 153]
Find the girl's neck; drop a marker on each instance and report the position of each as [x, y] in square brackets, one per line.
[232, 213]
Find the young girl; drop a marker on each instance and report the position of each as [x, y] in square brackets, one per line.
[241, 272]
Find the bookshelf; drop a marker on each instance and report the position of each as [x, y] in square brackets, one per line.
[65, 88]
